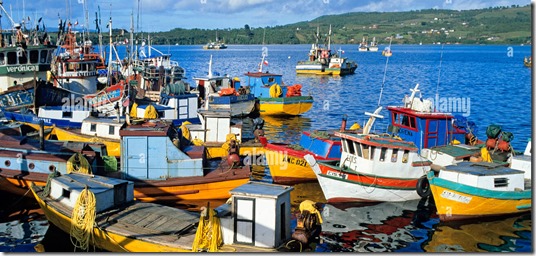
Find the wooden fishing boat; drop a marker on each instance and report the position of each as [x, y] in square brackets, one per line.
[373, 167]
[274, 97]
[25, 160]
[373, 47]
[60, 116]
[121, 224]
[363, 46]
[323, 62]
[470, 190]
[95, 130]
[222, 92]
[286, 162]
[162, 167]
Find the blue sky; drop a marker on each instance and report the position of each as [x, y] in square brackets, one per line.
[163, 15]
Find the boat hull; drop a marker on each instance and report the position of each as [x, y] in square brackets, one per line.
[288, 166]
[319, 69]
[215, 185]
[340, 186]
[456, 201]
[287, 106]
[103, 239]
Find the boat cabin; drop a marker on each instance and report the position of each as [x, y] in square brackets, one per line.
[102, 127]
[152, 151]
[417, 122]
[483, 175]
[259, 215]
[381, 155]
[109, 192]
[327, 148]
[176, 108]
[259, 83]
[24, 65]
[215, 126]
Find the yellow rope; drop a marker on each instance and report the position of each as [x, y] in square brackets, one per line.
[78, 163]
[83, 220]
[208, 236]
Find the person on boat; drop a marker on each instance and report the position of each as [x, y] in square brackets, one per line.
[20, 37]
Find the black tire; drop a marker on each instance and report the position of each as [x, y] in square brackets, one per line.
[423, 187]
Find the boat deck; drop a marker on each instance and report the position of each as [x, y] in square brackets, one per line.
[459, 152]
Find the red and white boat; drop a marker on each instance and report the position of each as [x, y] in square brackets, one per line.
[372, 167]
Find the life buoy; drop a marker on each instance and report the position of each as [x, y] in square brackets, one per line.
[324, 54]
[423, 187]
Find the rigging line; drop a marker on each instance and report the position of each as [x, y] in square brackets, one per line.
[439, 73]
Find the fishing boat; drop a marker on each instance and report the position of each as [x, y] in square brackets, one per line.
[323, 62]
[274, 97]
[163, 169]
[24, 160]
[373, 47]
[387, 51]
[286, 162]
[223, 92]
[151, 70]
[218, 131]
[471, 190]
[363, 46]
[61, 116]
[114, 221]
[372, 167]
[74, 67]
[217, 45]
[95, 130]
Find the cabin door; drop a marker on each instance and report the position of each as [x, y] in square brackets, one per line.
[431, 133]
[244, 232]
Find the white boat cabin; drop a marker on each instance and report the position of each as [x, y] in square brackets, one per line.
[524, 162]
[484, 175]
[102, 127]
[109, 192]
[215, 126]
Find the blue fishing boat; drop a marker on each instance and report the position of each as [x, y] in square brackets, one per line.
[222, 92]
[274, 97]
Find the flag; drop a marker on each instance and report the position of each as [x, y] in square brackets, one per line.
[76, 22]
[265, 63]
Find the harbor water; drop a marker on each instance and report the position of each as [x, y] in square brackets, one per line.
[485, 84]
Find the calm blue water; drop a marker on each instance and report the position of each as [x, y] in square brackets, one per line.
[491, 81]
[491, 78]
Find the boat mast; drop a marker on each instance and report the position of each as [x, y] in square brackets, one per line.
[439, 75]
[329, 38]
[210, 67]
[111, 45]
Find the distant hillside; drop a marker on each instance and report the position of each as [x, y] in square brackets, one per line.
[498, 25]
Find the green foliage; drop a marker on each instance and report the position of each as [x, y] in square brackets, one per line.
[497, 25]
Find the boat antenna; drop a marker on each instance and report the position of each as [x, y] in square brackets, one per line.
[384, 73]
[439, 73]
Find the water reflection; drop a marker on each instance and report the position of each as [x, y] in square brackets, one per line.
[285, 129]
[375, 227]
[500, 235]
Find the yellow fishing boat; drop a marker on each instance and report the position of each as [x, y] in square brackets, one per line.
[95, 130]
[102, 212]
[473, 190]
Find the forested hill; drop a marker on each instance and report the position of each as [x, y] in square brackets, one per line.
[498, 25]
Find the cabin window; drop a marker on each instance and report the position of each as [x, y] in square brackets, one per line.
[44, 56]
[501, 182]
[23, 58]
[405, 121]
[34, 56]
[351, 148]
[405, 156]
[358, 147]
[67, 114]
[271, 80]
[93, 128]
[344, 147]
[161, 114]
[365, 151]
[382, 154]
[111, 130]
[394, 156]
[372, 149]
[66, 193]
[73, 67]
[2, 61]
[11, 58]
